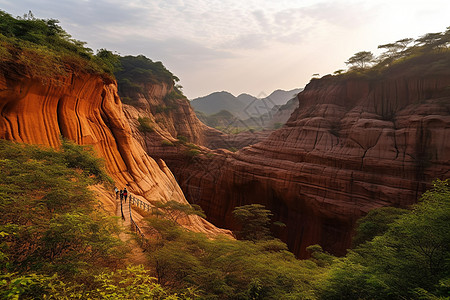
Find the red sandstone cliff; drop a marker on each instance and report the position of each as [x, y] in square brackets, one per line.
[352, 145]
[86, 109]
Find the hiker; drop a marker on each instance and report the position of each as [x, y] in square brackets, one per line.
[116, 190]
[121, 195]
[125, 194]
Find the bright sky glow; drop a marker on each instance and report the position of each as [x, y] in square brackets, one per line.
[251, 46]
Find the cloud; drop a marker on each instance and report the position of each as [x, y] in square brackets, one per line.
[229, 40]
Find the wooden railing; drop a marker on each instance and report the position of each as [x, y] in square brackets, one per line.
[140, 204]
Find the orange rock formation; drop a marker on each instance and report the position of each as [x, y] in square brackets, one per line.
[85, 108]
[352, 145]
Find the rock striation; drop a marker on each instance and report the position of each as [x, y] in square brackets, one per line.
[85, 108]
[352, 145]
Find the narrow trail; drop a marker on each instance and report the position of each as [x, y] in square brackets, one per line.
[137, 255]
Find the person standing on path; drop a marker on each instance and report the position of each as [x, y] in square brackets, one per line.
[116, 190]
[125, 194]
[121, 195]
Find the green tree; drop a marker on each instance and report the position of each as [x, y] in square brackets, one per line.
[109, 60]
[361, 60]
[432, 40]
[375, 223]
[254, 220]
[145, 125]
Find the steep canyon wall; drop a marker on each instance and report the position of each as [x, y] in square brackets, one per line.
[352, 145]
[85, 108]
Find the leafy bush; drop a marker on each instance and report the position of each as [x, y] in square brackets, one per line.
[133, 282]
[182, 139]
[85, 159]
[174, 210]
[192, 153]
[167, 143]
[144, 125]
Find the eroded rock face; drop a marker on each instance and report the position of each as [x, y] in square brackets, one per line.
[86, 109]
[350, 146]
[173, 118]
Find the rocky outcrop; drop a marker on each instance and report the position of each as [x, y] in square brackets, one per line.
[352, 145]
[85, 108]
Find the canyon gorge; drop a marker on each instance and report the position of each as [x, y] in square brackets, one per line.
[354, 143]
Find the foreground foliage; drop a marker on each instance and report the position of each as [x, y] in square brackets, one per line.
[411, 260]
[223, 268]
[55, 242]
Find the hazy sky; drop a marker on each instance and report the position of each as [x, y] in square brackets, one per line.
[252, 46]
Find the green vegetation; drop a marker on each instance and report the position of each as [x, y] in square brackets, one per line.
[428, 54]
[145, 125]
[42, 49]
[254, 220]
[55, 242]
[192, 153]
[136, 71]
[174, 210]
[174, 94]
[223, 268]
[182, 139]
[375, 223]
[410, 260]
[84, 159]
[167, 143]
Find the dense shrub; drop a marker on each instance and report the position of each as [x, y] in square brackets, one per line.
[145, 125]
[223, 268]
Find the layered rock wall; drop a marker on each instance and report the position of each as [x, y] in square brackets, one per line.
[85, 108]
[352, 145]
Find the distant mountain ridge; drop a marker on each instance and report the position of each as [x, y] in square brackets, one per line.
[243, 106]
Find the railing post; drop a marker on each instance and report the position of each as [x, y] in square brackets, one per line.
[121, 210]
